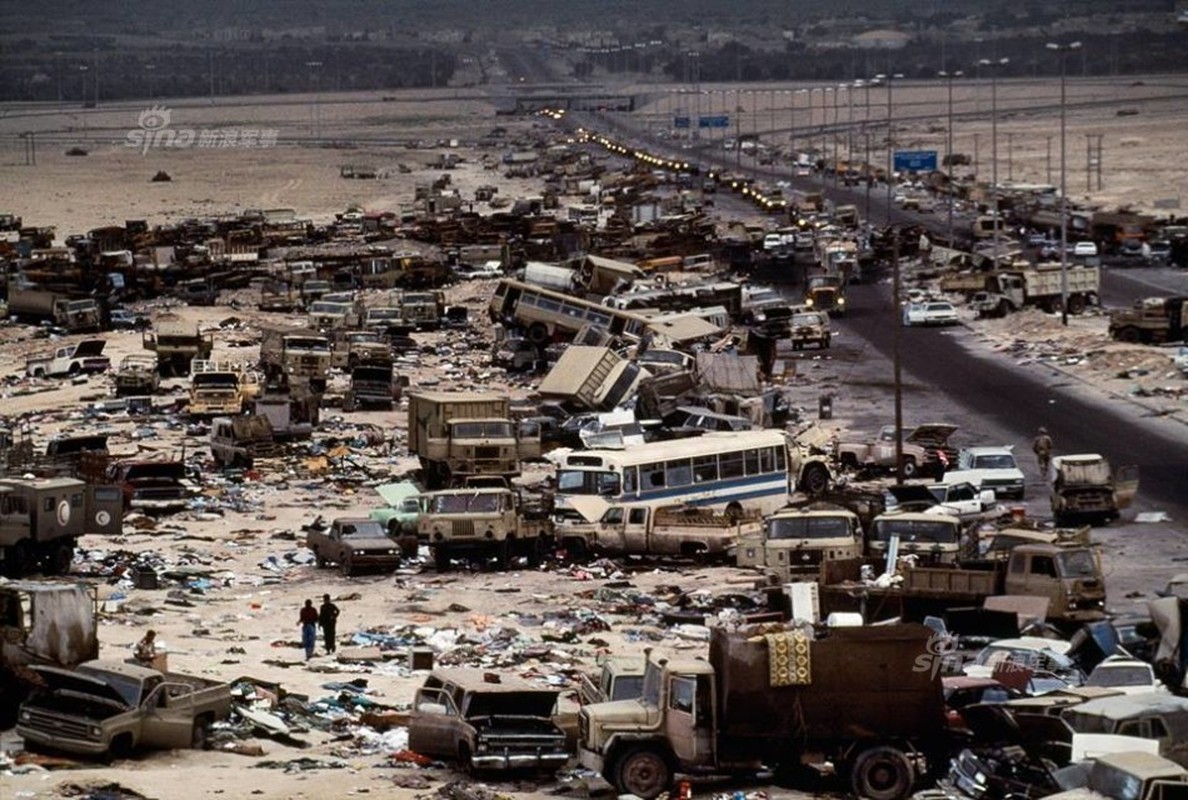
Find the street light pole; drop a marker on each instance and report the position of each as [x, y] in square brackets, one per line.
[994, 144]
[949, 76]
[1063, 50]
[890, 78]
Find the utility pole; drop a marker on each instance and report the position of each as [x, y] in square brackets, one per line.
[896, 362]
[1063, 50]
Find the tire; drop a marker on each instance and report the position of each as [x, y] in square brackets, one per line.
[910, 468]
[534, 552]
[576, 551]
[121, 747]
[441, 559]
[1076, 304]
[503, 554]
[321, 560]
[59, 559]
[815, 480]
[825, 343]
[18, 560]
[643, 773]
[882, 773]
[538, 334]
[1129, 334]
[346, 567]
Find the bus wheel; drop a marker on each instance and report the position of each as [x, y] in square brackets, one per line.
[538, 334]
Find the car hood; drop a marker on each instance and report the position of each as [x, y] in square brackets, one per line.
[58, 679]
[89, 348]
[933, 434]
[393, 493]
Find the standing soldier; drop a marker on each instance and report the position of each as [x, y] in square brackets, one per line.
[328, 619]
[1041, 445]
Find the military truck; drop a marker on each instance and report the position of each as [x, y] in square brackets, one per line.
[214, 389]
[74, 314]
[1042, 287]
[421, 311]
[1085, 487]
[826, 292]
[137, 376]
[809, 327]
[239, 441]
[42, 518]
[770, 699]
[929, 538]
[177, 344]
[350, 349]
[1153, 320]
[792, 544]
[372, 386]
[113, 708]
[295, 355]
[678, 531]
[459, 434]
[480, 524]
[1068, 575]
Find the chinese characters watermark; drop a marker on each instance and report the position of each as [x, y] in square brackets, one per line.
[153, 130]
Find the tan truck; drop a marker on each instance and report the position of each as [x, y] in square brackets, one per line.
[793, 544]
[216, 389]
[295, 356]
[177, 344]
[482, 523]
[675, 531]
[457, 435]
[112, 708]
[137, 376]
[41, 520]
[809, 326]
[1084, 487]
[1068, 576]
[1153, 320]
[929, 538]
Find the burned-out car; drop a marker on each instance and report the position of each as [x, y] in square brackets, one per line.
[922, 451]
[355, 545]
[489, 722]
[153, 487]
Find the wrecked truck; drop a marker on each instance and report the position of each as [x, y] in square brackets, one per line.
[767, 698]
[677, 531]
[113, 708]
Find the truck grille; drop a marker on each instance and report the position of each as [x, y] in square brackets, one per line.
[56, 724]
[462, 527]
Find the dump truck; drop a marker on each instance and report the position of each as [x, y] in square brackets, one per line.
[113, 708]
[771, 698]
[41, 520]
[1085, 487]
[1013, 289]
[461, 434]
[481, 523]
[793, 543]
[678, 531]
[1068, 575]
[1153, 320]
[177, 344]
[74, 314]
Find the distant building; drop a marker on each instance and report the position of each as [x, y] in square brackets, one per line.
[882, 40]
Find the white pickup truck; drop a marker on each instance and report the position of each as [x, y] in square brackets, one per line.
[966, 501]
[71, 359]
[990, 468]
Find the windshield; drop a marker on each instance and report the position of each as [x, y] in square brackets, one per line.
[305, 343]
[912, 530]
[575, 481]
[1077, 564]
[328, 308]
[127, 688]
[628, 687]
[382, 314]
[490, 429]
[809, 528]
[997, 461]
[363, 530]
[1110, 675]
[663, 357]
[806, 319]
[476, 503]
[81, 305]
[215, 379]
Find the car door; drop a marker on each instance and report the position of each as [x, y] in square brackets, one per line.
[168, 717]
[433, 723]
[1126, 482]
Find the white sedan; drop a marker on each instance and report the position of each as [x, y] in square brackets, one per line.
[933, 312]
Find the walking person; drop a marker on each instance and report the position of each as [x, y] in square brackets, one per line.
[328, 619]
[309, 628]
[1041, 445]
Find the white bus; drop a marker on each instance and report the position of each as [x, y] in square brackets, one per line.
[543, 313]
[731, 472]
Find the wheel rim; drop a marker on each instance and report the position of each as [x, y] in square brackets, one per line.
[645, 775]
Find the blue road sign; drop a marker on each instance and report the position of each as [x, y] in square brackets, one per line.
[722, 121]
[915, 160]
[680, 122]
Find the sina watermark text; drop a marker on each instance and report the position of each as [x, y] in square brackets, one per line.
[154, 131]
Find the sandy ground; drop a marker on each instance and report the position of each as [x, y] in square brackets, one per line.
[240, 620]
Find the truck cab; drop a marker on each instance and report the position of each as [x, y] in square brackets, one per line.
[1070, 577]
[931, 538]
[795, 543]
[480, 523]
[1086, 487]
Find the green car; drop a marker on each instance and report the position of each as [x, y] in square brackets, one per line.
[403, 507]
